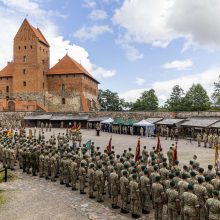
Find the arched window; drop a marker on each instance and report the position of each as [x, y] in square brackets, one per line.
[63, 101]
[7, 88]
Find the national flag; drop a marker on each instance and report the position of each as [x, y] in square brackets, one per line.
[175, 154]
[158, 144]
[109, 147]
[88, 145]
[138, 150]
[216, 154]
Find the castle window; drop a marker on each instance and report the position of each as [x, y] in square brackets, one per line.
[7, 88]
[19, 47]
[31, 46]
[25, 47]
[24, 58]
[24, 71]
[24, 83]
[43, 85]
[63, 87]
[63, 101]
[43, 61]
[40, 48]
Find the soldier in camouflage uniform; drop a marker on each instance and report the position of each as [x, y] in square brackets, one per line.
[191, 204]
[82, 178]
[145, 192]
[124, 189]
[135, 197]
[99, 178]
[158, 198]
[172, 202]
[91, 180]
[213, 206]
[114, 178]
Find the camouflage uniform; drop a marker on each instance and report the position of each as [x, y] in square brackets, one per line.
[158, 197]
[114, 188]
[172, 202]
[135, 197]
[191, 204]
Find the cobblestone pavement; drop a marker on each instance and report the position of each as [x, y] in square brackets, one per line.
[34, 198]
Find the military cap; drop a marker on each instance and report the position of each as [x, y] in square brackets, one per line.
[215, 192]
[190, 187]
[157, 178]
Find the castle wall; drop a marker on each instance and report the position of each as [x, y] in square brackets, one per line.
[4, 83]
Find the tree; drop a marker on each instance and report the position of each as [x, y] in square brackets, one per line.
[174, 103]
[197, 99]
[216, 93]
[147, 102]
[110, 101]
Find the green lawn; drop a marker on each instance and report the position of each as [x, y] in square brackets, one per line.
[3, 197]
[11, 176]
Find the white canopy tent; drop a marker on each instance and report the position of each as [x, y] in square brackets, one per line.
[148, 127]
[107, 121]
[106, 124]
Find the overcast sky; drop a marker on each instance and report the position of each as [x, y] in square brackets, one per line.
[128, 45]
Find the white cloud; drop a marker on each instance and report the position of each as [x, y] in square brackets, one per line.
[162, 21]
[164, 88]
[132, 53]
[140, 81]
[98, 14]
[91, 33]
[89, 4]
[100, 72]
[178, 65]
[12, 13]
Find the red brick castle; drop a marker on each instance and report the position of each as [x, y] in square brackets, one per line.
[29, 84]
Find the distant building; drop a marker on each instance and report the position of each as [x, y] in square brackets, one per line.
[29, 84]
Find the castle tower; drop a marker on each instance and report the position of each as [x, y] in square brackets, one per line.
[31, 63]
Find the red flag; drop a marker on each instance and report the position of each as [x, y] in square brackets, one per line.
[109, 147]
[158, 144]
[175, 154]
[138, 150]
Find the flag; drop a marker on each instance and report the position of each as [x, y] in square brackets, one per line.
[88, 145]
[138, 150]
[175, 154]
[158, 143]
[109, 147]
[216, 154]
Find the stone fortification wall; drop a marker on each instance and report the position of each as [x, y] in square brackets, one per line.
[16, 118]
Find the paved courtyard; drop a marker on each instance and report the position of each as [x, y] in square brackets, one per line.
[38, 199]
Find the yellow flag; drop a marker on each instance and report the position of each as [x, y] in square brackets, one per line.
[216, 153]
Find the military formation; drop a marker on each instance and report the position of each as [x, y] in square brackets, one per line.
[210, 139]
[154, 181]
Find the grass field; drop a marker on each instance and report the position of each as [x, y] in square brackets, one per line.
[11, 176]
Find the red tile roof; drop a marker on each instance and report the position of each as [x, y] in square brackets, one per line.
[39, 35]
[36, 31]
[67, 65]
[8, 70]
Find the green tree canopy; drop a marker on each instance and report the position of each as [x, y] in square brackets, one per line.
[216, 93]
[110, 101]
[197, 99]
[175, 102]
[147, 102]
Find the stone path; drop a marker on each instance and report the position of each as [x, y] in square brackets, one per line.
[34, 198]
